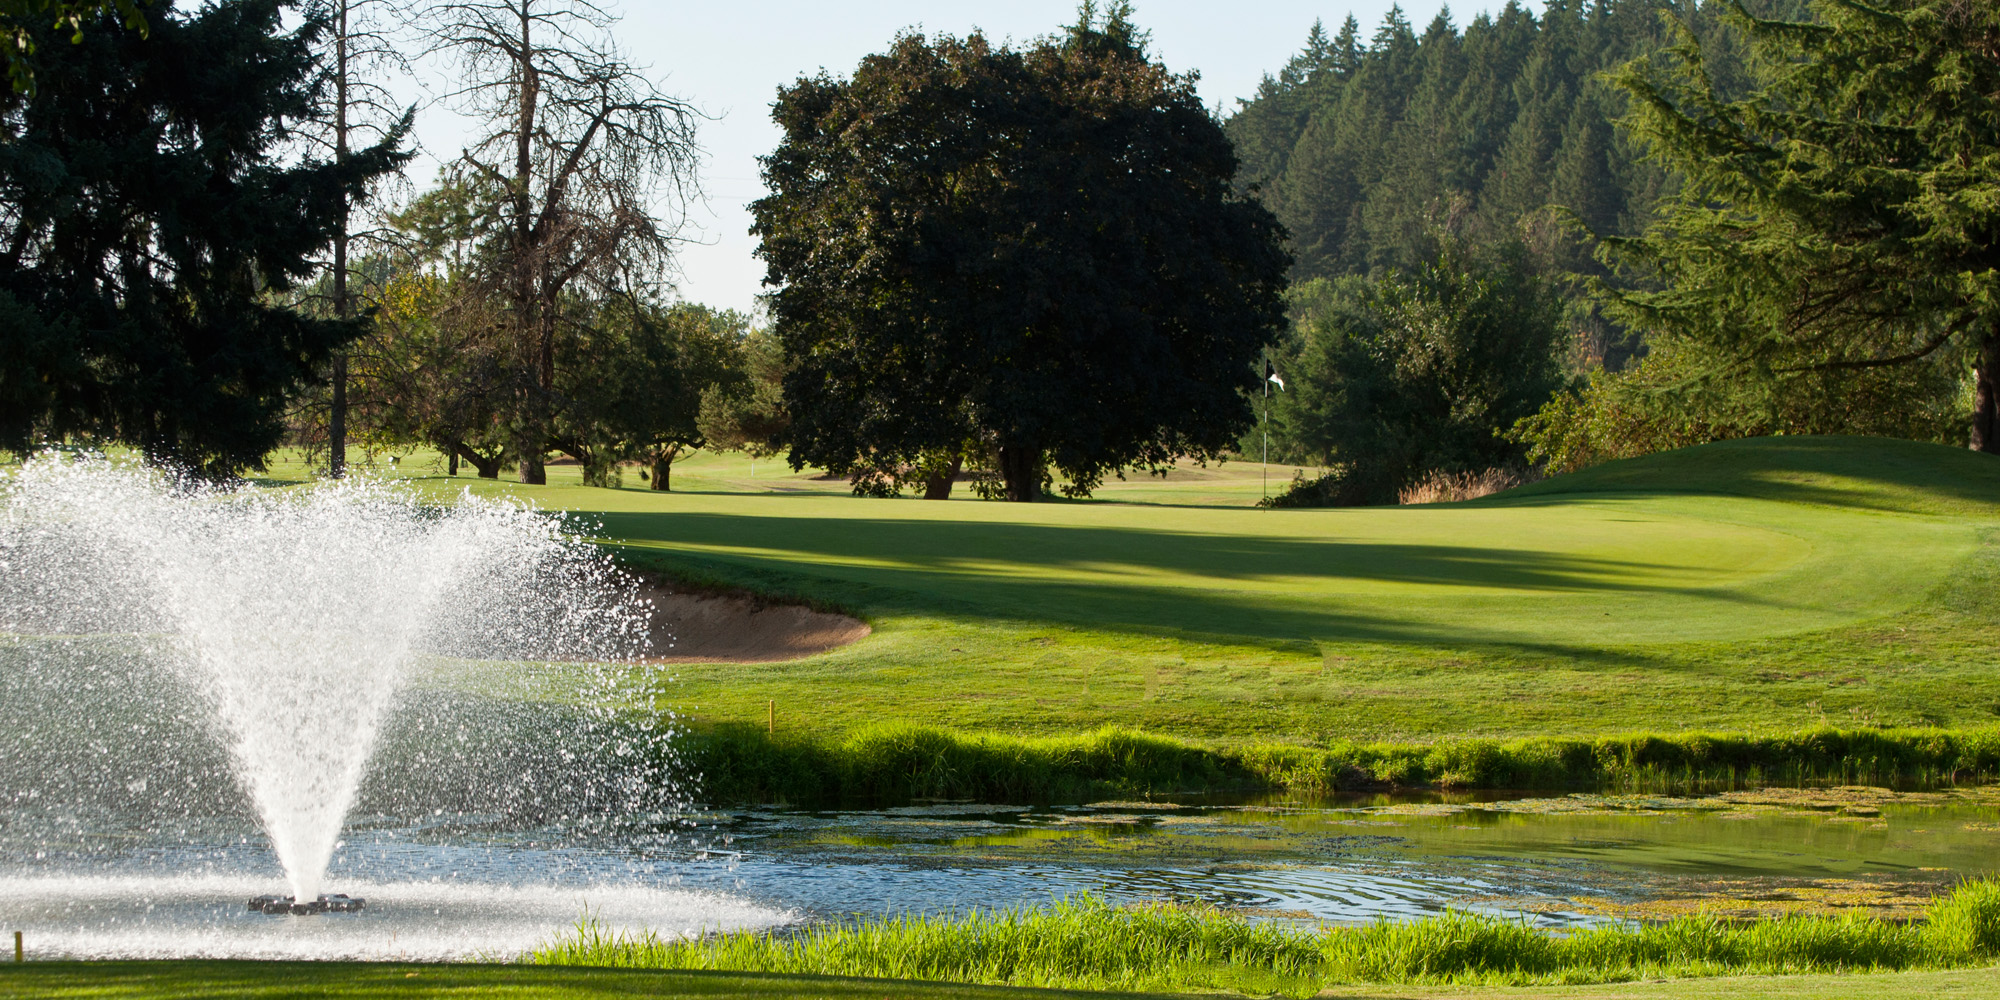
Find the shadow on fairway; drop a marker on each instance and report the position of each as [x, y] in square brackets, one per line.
[1110, 577]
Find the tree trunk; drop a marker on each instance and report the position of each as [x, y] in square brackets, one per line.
[336, 420]
[939, 487]
[1021, 470]
[663, 470]
[1986, 397]
[489, 468]
[533, 472]
[535, 435]
[452, 458]
[540, 420]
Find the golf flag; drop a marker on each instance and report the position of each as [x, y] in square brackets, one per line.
[1271, 374]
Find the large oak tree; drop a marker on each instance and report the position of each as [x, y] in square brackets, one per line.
[1031, 253]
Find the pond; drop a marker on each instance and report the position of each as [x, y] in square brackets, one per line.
[461, 885]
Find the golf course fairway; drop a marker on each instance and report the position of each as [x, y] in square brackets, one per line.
[1755, 585]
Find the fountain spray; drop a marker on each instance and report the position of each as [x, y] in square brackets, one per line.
[296, 616]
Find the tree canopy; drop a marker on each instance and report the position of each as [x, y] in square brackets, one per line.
[22, 24]
[1034, 254]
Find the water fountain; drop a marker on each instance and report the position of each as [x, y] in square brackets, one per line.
[173, 656]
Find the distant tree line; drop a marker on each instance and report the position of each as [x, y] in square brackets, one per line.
[1365, 147]
[1025, 264]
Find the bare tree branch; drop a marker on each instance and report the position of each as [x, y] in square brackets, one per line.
[583, 145]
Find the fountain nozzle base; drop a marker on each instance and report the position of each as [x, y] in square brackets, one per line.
[336, 903]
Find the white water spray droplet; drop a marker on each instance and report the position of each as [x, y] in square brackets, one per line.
[296, 616]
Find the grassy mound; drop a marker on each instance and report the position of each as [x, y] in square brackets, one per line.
[1884, 474]
[1088, 944]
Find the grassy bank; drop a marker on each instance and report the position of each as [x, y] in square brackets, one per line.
[1088, 944]
[239, 980]
[893, 762]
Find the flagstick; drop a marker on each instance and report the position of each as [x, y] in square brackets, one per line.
[1265, 426]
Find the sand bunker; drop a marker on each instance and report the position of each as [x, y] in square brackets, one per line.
[710, 629]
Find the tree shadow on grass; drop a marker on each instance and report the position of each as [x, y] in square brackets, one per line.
[1153, 582]
[1879, 474]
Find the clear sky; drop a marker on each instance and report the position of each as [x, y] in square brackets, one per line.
[729, 59]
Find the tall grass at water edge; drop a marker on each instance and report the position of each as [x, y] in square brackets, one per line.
[898, 761]
[1086, 943]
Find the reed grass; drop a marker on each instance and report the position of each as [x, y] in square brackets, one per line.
[1087, 943]
[891, 762]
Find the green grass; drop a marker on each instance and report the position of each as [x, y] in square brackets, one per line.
[240, 980]
[1753, 586]
[900, 761]
[1086, 943]
[244, 980]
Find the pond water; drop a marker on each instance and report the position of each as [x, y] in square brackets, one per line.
[444, 885]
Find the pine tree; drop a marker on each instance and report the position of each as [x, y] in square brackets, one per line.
[154, 216]
[1346, 52]
[1409, 130]
[1841, 218]
[1582, 181]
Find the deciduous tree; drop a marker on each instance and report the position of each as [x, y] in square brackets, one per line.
[750, 416]
[1034, 251]
[584, 147]
[1420, 372]
[633, 381]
